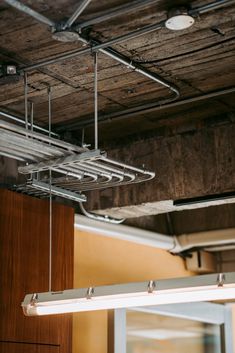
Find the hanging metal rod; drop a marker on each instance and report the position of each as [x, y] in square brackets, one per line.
[140, 109]
[96, 99]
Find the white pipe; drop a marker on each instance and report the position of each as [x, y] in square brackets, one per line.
[174, 244]
[216, 238]
[122, 232]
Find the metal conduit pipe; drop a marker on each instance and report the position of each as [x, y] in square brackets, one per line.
[19, 120]
[118, 11]
[146, 108]
[210, 7]
[73, 53]
[116, 56]
[98, 217]
[81, 7]
[21, 7]
[119, 39]
[136, 67]
[139, 4]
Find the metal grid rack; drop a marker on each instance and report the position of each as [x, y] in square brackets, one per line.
[74, 169]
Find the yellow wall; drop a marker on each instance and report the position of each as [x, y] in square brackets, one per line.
[104, 261]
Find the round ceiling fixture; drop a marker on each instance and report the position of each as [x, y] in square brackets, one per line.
[179, 19]
[66, 36]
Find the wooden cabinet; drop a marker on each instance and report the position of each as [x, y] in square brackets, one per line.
[24, 256]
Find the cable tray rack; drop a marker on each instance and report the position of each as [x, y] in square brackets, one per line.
[74, 169]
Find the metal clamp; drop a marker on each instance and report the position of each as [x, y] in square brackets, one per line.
[90, 292]
[34, 299]
[220, 279]
[151, 286]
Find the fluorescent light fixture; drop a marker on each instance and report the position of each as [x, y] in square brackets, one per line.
[179, 290]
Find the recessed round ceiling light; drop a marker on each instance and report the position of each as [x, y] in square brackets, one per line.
[179, 19]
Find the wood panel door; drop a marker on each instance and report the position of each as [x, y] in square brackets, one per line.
[24, 256]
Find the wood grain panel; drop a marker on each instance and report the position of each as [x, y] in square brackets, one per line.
[24, 253]
[15, 347]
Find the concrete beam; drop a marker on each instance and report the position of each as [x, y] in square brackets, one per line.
[190, 164]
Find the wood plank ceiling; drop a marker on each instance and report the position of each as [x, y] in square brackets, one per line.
[197, 60]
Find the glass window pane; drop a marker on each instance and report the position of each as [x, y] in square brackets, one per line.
[154, 333]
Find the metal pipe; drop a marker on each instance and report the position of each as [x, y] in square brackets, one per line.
[128, 36]
[99, 169]
[31, 146]
[123, 165]
[9, 151]
[118, 11]
[73, 53]
[174, 244]
[144, 108]
[138, 68]
[218, 237]
[114, 171]
[21, 121]
[81, 7]
[120, 58]
[210, 7]
[116, 56]
[9, 155]
[21, 7]
[123, 232]
[139, 4]
[98, 217]
[37, 136]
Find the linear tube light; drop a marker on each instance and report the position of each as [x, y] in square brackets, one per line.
[179, 290]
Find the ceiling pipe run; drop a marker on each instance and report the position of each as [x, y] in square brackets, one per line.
[207, 239]
[23, 8]
[132, 6]
[174, 244]
[22, 122]
[144, 108]
[77, 52]
[115, 55]
[123, 232]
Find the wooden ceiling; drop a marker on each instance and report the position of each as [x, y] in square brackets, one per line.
[198, 60]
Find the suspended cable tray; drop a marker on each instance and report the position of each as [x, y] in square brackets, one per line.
[74, 169]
